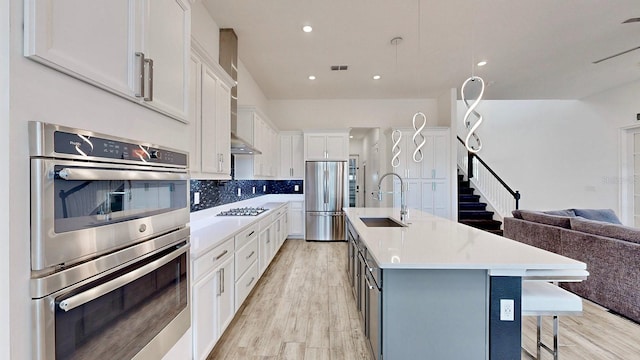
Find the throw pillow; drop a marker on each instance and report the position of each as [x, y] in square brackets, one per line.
[546, 219]
[567, 212]
[605, 215]
[606, 229]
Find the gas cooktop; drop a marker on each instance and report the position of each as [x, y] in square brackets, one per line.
[245, 211]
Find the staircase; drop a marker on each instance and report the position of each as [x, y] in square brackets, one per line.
[472, 212]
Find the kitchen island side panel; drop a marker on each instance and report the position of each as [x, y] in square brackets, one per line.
[435, 314]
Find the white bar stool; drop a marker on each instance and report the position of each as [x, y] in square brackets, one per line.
[540, 298]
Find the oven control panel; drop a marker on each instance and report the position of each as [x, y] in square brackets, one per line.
[98, 147]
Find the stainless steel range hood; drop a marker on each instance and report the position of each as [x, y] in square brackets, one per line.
[240, 146]
[229, 62]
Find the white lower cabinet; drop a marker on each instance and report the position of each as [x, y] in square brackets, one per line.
[212, 297]
[246, 263]
[265, 247]
[223, 277]
[245, 284]
[296, 219]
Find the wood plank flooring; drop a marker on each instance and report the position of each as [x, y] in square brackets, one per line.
[302, 309]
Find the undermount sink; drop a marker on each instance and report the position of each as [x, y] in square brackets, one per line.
[381, 222]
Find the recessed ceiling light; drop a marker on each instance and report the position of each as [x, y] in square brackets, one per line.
[482, 63]
[311, 77]
[376, 77]
[307, 28]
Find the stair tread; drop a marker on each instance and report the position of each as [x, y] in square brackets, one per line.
[476, 212]
[480, 221]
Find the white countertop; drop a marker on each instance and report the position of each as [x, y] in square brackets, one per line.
[431, 242]
[209, 230]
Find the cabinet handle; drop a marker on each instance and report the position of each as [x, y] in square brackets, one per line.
[433, 186]
[141, 76]
[433, 173]
[250, 255]
[250, 281]
[221, 255]
[268, 241]
[220, 282]
[290, 171]
[150, 79]
[251, 233]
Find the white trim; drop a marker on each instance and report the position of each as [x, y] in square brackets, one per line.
[625, 174]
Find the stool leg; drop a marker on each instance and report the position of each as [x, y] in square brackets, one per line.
[555, 337]
[538, 340]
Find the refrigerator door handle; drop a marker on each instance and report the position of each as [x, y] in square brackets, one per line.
[326, 186]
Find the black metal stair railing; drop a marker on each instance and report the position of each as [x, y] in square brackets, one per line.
[489, 183]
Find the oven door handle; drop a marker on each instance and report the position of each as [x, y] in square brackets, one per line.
[82, 298]
[101, 174]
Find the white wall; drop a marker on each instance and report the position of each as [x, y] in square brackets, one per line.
[558, 153]
[249, 92]
[5, 221]
[340, 114]
[204, 30]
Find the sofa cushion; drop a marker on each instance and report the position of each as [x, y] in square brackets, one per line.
[605, 215]
[606, 229]
[566, 213]
[547, 219]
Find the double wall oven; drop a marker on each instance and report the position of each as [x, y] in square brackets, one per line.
[109, 245]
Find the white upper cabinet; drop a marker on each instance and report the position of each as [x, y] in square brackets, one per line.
[138, 49]
[254, 127]
[326, 146]
[428, 181]
[291, 162]
[209, 117]
[167, 42]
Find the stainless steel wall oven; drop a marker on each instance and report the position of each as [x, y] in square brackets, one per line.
[109, 245]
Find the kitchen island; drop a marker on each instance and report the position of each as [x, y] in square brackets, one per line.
[432, 289]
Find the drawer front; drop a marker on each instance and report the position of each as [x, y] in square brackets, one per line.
[209, 261]
[246, 256]
[247, 235]
[245, 283]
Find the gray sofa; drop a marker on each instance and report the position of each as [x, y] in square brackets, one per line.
[610, 250]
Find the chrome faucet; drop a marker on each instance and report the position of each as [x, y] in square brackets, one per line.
[403, 200]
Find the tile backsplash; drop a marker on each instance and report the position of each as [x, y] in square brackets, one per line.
[219, 192]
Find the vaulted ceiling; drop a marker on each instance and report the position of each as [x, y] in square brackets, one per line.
[535, 49]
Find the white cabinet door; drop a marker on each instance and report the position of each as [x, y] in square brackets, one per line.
[168, 43]
[225, 295]
[91, 40]
[195, 94]
[297, 156]
[436, 160]
[204, 315]
[315, 146]
[435, 198]
[264, 249]
[296, 219]
[337, 147]
[412, 168]
[326, 146]
[223, 128]
[291, 160]
[413, 194]
[285, 170]
[211, 162]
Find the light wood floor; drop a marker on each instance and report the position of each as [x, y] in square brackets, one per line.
[302, 309]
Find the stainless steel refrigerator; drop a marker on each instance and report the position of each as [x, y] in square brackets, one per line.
[326, 193]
